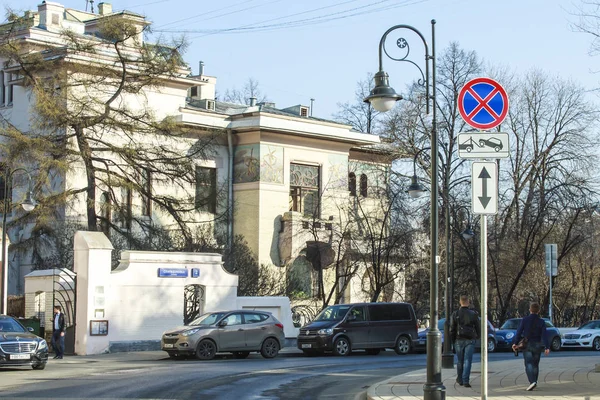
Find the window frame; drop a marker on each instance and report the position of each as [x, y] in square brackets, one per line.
[206, 203]
[297, 193]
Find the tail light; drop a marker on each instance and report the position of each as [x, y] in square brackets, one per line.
[279, 326]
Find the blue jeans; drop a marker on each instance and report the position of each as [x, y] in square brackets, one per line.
[532, 360]
[58, 343]
[464, 351]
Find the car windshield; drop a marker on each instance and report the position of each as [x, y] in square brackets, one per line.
[333, 313]
[10, 325]
[591, 325]
[207, 319]
[511, 324]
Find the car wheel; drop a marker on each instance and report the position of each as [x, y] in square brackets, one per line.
[481, 143]
[270, 348]
[373, 352]
[39, 366]
[497, 148]
[240, 355]
[555, 345]
[491, 345]
[206, 350]
[341, 347]
[402, 345]
[469, 148]
[596, 344]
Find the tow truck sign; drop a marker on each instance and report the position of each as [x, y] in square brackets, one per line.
[483, 145]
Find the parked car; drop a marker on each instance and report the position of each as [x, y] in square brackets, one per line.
[587, 335]
[18, 346]
[492, 142]
[239, 332]
[507, 332]
[421, 343]
[368, 326]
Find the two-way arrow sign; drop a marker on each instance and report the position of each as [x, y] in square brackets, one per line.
[484, 178]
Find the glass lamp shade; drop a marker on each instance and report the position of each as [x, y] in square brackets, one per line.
[415, 189]
[29, 203]
[383, 104]
[468, 233]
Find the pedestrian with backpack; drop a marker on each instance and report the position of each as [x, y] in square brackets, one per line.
[531, 339]
[464, 330]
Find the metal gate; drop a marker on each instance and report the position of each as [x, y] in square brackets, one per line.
[193, 302]
[64, 295]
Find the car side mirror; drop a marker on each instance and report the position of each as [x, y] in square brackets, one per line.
[30, 329]
[351, 318]
[223, 323]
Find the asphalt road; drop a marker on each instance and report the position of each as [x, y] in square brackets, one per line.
[152, 375]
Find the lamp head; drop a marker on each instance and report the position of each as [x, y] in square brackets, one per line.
[383, 96]
[29, 203]
[468, 233]
[415, 189]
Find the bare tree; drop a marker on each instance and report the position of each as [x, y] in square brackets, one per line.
[250, 90]
[360, 115]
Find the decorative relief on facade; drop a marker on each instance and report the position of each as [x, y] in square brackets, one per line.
[246, 163]
[271, 164]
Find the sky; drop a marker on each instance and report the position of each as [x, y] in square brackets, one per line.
[320, 49]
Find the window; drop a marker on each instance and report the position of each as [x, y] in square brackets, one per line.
[9, 101]
[254, 318]
[352, 183]
[363, 185]
[359, 313]
[105, 213]
[146, 186]
[194, 91]
[5, 189]
[125, 212]
[2, 89]
[389, 312]
[304, 189]
[233, 319]
[206, 189]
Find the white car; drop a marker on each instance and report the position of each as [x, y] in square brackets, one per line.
[587, 335]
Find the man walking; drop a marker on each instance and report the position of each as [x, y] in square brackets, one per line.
[58, 333]
[464, 330]
[533, 328]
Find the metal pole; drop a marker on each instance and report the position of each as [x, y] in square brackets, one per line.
[4, 306]
[484, 349]
[448, 356]
[434, 389]
[550, 300]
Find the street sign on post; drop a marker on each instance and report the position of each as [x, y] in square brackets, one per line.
[483, 103]
[551, 259]
[484, 184]
[483, 145]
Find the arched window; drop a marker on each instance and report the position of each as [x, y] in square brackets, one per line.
[352, 183]
[363, 185]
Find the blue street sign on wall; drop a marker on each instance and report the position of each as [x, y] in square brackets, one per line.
[172, 272]
[195, 272]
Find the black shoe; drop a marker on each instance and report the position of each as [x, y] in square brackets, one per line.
[467, 384]
[55, 357]
[459, 382]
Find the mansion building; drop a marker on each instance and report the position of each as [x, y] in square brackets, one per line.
[297, 188]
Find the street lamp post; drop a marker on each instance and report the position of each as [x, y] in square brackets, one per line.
[383, 98]
[28, 204]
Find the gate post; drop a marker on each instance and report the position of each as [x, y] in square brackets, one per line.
[92, 264]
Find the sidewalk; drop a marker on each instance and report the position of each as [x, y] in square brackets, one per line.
[560, 378]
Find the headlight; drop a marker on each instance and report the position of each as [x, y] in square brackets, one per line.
[190, 332]
[587, 335]
[510, 335]
[42, 345]
[325, 332]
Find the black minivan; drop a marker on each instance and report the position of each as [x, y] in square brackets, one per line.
[370, 326]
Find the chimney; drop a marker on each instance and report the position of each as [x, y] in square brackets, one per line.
[105, 8]
[201, 68]
[252, 101]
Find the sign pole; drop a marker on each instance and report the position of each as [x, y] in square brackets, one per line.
[550, 299]
[484, 326]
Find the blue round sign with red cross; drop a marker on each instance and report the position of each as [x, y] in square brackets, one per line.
[483, 103]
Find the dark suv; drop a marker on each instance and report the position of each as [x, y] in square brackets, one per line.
[18, 346]
[370, 326]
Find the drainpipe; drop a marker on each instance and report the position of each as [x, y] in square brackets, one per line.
[230, 191]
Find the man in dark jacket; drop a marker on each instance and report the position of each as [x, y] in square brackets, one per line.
[464, 330]
[534, 329]
[58, 333]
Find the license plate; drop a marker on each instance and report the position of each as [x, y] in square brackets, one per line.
[168, 345]
[570, 342]
[20, 356]
[421, 341]
[306, 345]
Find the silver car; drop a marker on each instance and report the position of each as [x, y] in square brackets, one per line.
[238, 332]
